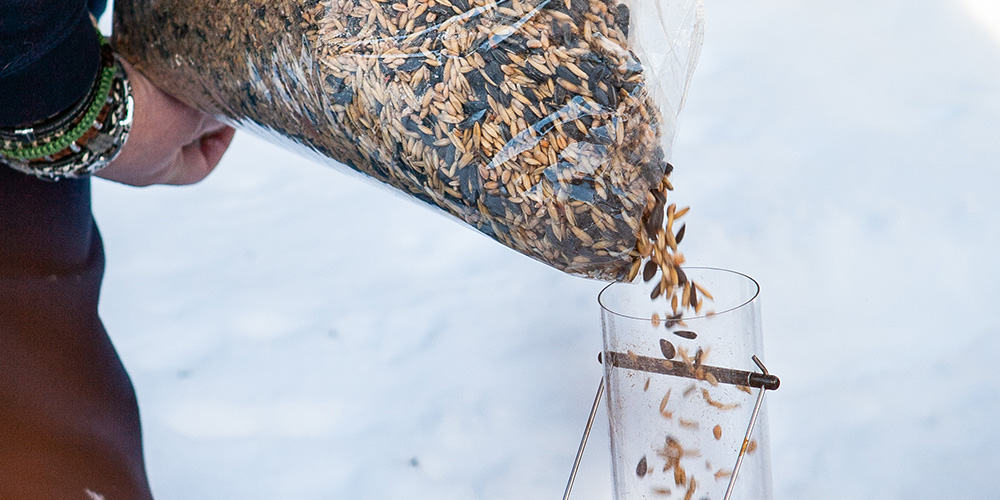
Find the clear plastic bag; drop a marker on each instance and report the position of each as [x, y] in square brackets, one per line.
[545, 124]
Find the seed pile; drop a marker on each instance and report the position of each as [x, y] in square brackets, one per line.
[530, 120]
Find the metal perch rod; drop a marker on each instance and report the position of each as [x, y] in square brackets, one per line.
[679, 369]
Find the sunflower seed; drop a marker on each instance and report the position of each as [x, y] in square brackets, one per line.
[687, 334]
[667, 349]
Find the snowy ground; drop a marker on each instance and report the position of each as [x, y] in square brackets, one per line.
[295, 333]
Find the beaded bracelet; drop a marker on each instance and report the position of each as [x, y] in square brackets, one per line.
[81, 140]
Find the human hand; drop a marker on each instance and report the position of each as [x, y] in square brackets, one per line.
[170, 142]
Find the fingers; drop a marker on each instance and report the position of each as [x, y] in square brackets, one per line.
[196, 160]
[215, 144]
[208, 126]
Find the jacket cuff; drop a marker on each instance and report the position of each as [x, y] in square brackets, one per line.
[55, 81]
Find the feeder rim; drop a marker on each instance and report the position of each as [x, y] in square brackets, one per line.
[600, 296]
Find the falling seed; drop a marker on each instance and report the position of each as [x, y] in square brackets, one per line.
[687, 334]
[672, 452]
[722, 473]
[663, 404]
[720, 405]
[704, 292]
[674, 319]
[688, 362]
[690, 424]
[655, 320]
[752, 446]
[680, 234]
[649, 271]
[667, 349]
[645, 386]
[680, 475]
[717, 432]
[640, 470]
[692, 487]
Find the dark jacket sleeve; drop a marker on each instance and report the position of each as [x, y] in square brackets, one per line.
[69, 422]
[49, 57]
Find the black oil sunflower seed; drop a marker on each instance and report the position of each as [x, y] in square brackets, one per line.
[564, 73]
[641, 469]
[680, 234]
[687, 334]
[649, 271]
[411, 64]
[667, 349]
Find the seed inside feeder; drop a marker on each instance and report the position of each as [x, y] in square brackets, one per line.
[667, 349]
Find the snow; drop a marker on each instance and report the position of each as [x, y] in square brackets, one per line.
[295, 333]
